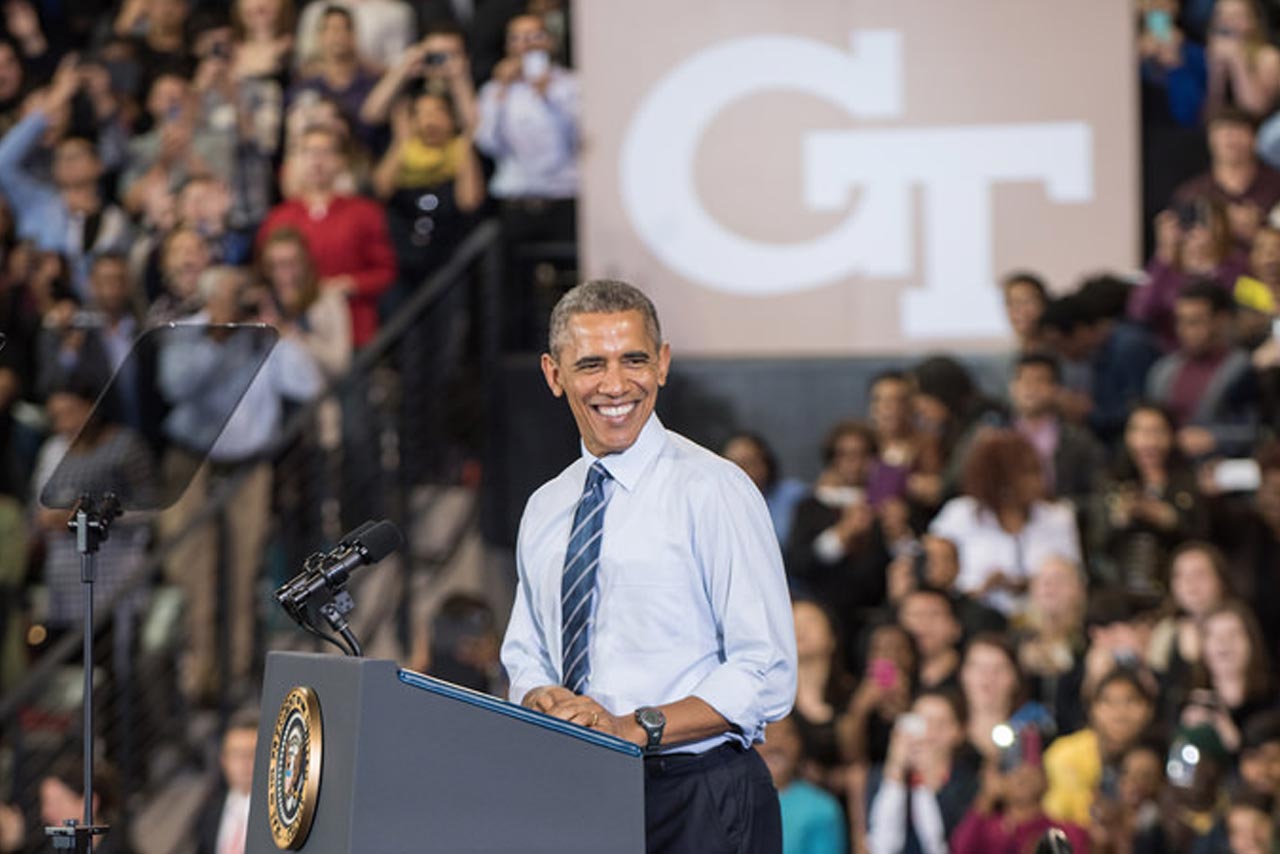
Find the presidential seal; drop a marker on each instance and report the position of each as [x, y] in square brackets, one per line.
[293, 775]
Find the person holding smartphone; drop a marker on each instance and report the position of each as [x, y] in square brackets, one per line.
[927, 782]
[1006, 816]
[529, 117]
[1172, 66]
[1244, 68]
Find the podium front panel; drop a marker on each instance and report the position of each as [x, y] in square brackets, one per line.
[412, 764]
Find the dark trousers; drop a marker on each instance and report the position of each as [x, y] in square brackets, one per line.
[718, 802]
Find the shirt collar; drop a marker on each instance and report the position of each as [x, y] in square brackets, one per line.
[628, 466]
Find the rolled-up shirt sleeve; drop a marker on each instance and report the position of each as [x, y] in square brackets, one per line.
[742, 569]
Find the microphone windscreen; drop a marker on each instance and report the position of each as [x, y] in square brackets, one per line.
[356, 534]
[380, 540]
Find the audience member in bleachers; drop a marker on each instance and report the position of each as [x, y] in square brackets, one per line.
[993, 689]
[183, 256]
[69, 215]
[431, 182]
[1126, 815]
[889, 671]
[337, 72]
[1006, 816]
[935, 562]
[1192, 245]
[347, 235]
[931, 765]
[1118, 626]
[951, 408]
[823, 691]
[263, 31]
[929, 617]
[223, 824]
[1208, 386]
[1257, 294]
[1025, 298]
[1121, 707]
[205, 204]
[781, 494]
[1195, 800]
[157, 32]
[1232, 681]
[186, 364]
[1148, 505]
[1244, 67]
[837, 549]
[1236, 179]
[297, 306]
[1002, 524]
[91, 455]
[1171, 64]
[1105, 358]
[1259, 764]
[909, 465]
[528, 124]
[384, 29]
[1197, 586]
[91, 341]
[1250, 825]
[1051, 642]
[812, 820]
[439, 66]
[1069, 455]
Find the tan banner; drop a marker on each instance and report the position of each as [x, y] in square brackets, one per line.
[802, 177]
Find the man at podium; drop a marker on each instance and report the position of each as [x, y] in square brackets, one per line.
[652, 603]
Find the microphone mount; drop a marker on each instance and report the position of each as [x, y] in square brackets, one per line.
[320, 590]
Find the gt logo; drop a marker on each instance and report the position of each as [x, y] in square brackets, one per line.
[953, 168]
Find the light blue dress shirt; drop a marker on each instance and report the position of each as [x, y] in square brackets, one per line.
[532, 137]
[203, 379]
[691, 597]
[41, 215]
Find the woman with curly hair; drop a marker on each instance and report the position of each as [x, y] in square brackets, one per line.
[1002, 524]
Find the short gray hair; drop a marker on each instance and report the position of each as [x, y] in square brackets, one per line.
[601, 296]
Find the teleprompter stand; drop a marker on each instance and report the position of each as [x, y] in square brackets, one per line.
[91, 523]
[214, 362]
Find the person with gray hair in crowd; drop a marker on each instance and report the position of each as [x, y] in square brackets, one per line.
[652, 603]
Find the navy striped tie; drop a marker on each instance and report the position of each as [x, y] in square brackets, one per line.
[578, 585]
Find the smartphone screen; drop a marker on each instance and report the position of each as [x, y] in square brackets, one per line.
[1160, 24]
[535, 64]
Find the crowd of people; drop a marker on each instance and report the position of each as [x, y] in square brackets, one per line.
[196, 162]
[1053, 607]
[303, 165]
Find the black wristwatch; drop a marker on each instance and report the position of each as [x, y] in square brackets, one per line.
[653, 722]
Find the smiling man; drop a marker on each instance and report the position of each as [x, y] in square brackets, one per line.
[652, 603]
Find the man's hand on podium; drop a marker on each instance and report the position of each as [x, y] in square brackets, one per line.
[560, 702]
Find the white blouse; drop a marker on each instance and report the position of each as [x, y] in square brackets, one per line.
[986, 548]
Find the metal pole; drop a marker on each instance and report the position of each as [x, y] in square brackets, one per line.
[86, 575]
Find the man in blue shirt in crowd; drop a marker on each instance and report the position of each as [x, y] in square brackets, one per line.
[652, 603]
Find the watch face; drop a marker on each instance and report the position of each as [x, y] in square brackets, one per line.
[651, 718]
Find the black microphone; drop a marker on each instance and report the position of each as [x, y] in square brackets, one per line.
[369, 543]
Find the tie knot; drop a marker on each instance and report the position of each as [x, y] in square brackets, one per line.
[597, 475]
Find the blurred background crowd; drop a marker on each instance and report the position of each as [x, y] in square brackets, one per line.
[1047, 600]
